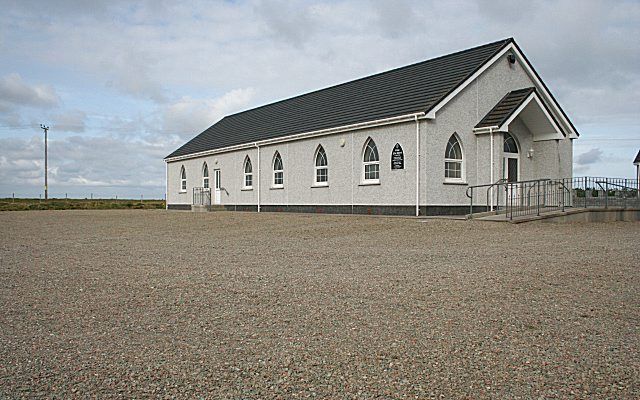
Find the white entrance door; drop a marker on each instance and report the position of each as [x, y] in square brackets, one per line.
[217, 185]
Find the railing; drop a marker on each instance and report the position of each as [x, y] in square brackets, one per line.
[492, 200]
[503, 195]
[201, 196]
[590, 191]
[537, 196]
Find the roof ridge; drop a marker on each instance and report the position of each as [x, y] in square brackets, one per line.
[504, 41]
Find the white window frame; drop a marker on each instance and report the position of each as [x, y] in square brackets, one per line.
[245, 174]
[205, 176]
[370, 181]
[454, 160]
[317, 168]
[277, 155]
[183, 179]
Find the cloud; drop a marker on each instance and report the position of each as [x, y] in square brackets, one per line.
[592, 156]
[396, 18]
[69, 121]
[164, 71]
[15, 92]
[81, 165]
[131, 75]
[584, 161]
[290, 22]
[188, 117]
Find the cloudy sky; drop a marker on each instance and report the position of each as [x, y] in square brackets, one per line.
[124, 83]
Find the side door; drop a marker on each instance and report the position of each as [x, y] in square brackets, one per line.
[217, 186]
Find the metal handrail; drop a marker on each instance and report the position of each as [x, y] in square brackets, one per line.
[543, 195]
[499, 183]
[469, 192]
[201, 196]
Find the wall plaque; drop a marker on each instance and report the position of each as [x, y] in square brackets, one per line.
[397, 157]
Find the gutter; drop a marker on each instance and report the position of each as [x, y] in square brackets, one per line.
[298, 136]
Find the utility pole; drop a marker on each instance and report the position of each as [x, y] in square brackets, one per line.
[46, 169]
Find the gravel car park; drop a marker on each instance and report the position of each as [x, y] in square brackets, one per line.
[149, 303]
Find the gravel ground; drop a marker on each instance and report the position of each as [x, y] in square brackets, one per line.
[244, 306]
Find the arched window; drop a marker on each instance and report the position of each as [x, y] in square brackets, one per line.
[453, 160]
[510, 145]
[248, 173]
[183, 179]
[321, 167]
[205, 176]
[371, 162]
[278, 171]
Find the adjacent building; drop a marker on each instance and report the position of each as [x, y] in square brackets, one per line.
[407, 141]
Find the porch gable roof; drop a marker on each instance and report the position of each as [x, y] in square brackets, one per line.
[497, 116]
[524, 103]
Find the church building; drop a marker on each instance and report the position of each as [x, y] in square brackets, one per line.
[409, 141]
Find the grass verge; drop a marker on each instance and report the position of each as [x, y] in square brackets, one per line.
[78, 204]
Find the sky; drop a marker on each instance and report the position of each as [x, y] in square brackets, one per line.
[122, 84]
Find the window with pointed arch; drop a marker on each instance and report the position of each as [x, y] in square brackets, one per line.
[278, 171]
[371, 162]
[510, 145]
[453, 160]
[205, 176]
[183, 179]
[321, 167]
[247, 182]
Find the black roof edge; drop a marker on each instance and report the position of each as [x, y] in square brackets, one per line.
[531, 89]
[546, 88]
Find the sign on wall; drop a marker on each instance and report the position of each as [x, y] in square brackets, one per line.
[397, 157]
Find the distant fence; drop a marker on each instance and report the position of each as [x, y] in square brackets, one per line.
[591, 191]
[88, 196]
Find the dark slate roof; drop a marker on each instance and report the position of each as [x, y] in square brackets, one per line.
[637, 160]
[505, 108]
[411, 89]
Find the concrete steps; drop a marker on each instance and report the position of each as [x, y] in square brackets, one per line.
[216, 208]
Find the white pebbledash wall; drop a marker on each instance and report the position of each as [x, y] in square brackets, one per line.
[551, 158]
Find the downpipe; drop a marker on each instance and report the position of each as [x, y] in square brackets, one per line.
[258, 147]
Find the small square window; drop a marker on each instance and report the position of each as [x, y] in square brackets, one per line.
[371, 171]
[278, 178]
[453, 170]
